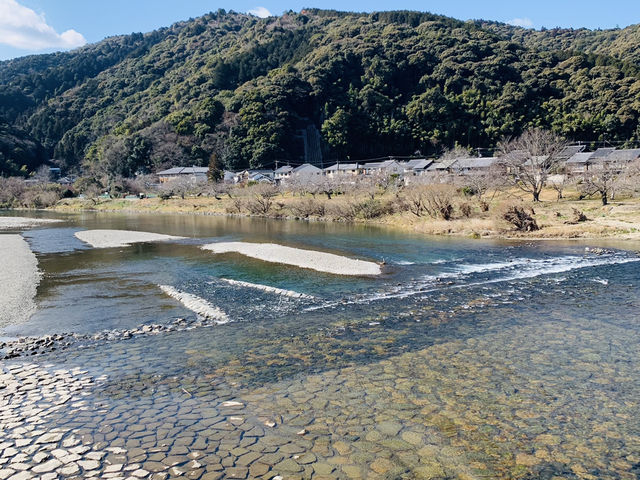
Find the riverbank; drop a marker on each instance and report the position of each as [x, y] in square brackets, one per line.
[19, 280]
[561, 219]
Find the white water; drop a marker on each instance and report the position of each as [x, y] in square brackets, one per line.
[266, 288]
[521, 268]
[196, 304]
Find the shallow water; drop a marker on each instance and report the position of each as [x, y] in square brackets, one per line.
[465, 359]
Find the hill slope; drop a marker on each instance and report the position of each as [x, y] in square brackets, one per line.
[252, 90]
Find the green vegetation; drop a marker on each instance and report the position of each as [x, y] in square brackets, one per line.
[243, 88]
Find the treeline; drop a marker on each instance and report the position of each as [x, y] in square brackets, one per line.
[242, 89]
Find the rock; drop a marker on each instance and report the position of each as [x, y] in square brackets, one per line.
[89, 464]
[21, 476]
[389, 428]
[288, 466]
[46, 467]
[6, 473]
[113, 468]
[258, 469]
[51, 437]
[140, 473]
[40, 457]
[381, 465]
[237, 472]
[526, 460]
[70, 469]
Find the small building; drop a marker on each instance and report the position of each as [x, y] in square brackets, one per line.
[282, 173]
[416, 167]
[389, 167]
[624, 155]
[579, 162]
[260, 176]
[340, 169]
[474, 165]
[193, 174]
[306, 170]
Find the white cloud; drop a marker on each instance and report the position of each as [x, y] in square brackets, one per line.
[21, 27]
[521, 22]
[261, 12]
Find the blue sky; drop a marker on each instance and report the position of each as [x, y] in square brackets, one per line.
[40, 26]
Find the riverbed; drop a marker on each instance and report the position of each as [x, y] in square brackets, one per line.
[463, 359]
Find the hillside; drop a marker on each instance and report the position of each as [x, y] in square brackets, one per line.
[331, 84]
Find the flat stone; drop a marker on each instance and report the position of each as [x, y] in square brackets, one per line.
[237, 472]
[248, 458]
[113, 468]
[155, 466]
[176, 472]
[140, 473]
[21, 476]
[6, 473]
[46, 467]
[70, 469]
[381, 465]
[51, 437]
[40, 457]
[89, 464]
[258, 469]
[389, 428]
[288, 466]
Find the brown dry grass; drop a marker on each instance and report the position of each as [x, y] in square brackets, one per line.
[620, 219]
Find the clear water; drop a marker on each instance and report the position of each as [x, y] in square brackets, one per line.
[465, 359]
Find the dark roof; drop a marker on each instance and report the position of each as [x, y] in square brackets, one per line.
[624, 155]
[184, 171]
[568, 152]
[602, 153]
[417, 164]
[475, 162]
[580, 158]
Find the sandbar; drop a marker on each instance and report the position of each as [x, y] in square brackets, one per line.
[120, 238]
[312, 259]
[23, 222]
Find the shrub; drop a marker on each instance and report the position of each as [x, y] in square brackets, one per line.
[437, 201]
[465, 209]
[522, 220]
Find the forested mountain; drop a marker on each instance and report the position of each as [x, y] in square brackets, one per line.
[251, 90]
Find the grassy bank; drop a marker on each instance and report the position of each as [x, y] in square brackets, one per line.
[570, 217]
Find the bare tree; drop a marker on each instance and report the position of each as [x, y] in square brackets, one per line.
[262, 198]
[529, 159]
[606, 178]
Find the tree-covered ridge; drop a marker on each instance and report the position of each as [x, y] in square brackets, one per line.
[248, 90]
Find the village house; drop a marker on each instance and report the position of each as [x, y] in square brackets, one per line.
[282, 173]
[473, 165]
[388, 167]
[340, 169]
[416, 167]
[193, 174]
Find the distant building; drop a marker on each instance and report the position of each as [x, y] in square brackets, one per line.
[474, 165]
[340, 169]
[305, 170]
[194, 174]
[389, 167]
[416, 167]
[282, 173]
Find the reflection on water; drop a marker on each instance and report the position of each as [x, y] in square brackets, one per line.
[465, 360]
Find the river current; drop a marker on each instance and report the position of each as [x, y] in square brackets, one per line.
[464, 359]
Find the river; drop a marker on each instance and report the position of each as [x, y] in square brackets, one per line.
[464, 359]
